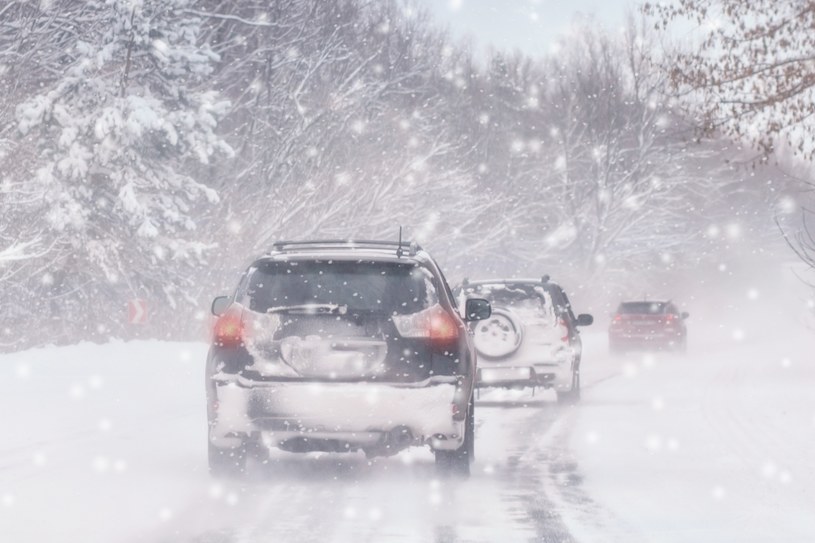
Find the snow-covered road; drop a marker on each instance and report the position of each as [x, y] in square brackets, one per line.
[107, 443]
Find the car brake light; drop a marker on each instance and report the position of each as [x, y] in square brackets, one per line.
[433, 323]
[443, 328]
[564, 330]
[229, 329]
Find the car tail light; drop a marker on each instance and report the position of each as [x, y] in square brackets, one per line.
[433, 323]
[229, 329]
[564, 330]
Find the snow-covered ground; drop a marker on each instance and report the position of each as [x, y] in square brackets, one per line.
[107, 443]
[714, 446]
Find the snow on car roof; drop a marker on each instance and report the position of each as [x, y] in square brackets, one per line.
[344, 254]
[503, 281]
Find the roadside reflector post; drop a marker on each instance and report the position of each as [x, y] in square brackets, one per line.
[136, 311]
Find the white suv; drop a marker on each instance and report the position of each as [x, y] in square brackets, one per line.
[531, 338]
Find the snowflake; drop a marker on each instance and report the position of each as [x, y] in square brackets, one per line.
[718, 492]
[342, 178]
[734, 230]
[39, 459]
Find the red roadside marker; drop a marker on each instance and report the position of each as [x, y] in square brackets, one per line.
[136, 311]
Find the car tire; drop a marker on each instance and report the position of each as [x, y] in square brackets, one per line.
[457, 463]
[227, 462]
[571, 396]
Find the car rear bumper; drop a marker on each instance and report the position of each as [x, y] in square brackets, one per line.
[662, 339]
[300, 416]
[557, 375]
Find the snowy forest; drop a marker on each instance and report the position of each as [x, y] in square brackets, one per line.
[149, 149]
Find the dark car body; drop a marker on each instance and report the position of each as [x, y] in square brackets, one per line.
[340, 346]
[648, 324]
[531, 338]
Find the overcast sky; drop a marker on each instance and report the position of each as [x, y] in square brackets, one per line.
[529, 25]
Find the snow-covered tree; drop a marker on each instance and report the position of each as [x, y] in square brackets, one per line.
[114, 131]
[109, 144]
[751, 74]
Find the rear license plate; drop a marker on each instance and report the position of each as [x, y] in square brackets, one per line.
[504, 375]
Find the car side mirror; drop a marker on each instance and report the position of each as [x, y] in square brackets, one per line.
[685, 315]
[584, 319]
[219, 305]
[477, 309]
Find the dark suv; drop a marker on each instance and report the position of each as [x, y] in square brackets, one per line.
[341, 346]
[531, 338]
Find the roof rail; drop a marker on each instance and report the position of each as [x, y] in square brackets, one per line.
[290, 245]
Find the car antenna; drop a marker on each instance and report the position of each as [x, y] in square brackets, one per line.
[399, 247]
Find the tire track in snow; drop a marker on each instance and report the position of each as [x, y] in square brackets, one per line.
[347, 499]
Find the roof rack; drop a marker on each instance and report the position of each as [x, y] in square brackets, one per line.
[401, 247]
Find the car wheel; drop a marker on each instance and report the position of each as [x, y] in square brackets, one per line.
[500, 335]
[457, 462]
[572, 395]
[227, 462]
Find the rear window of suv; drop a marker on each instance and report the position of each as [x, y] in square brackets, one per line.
[641, 308]
[370, 286]
[528, 300]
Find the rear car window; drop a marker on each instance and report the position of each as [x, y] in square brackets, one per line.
[371, 286]
[529, 300]
[641, 308]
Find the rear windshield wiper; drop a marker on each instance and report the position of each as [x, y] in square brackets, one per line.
[310, 308]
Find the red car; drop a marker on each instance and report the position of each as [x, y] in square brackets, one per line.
[648, 325]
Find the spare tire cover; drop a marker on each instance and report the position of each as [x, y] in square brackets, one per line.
[500, 335]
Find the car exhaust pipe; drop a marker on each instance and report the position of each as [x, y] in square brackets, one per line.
[392, 442]
[400, 437]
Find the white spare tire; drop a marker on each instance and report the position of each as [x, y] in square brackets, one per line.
[500, 335]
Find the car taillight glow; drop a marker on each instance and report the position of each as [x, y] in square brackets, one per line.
[442, 327]
[564, 330]
[433, 323]
[229, 329]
